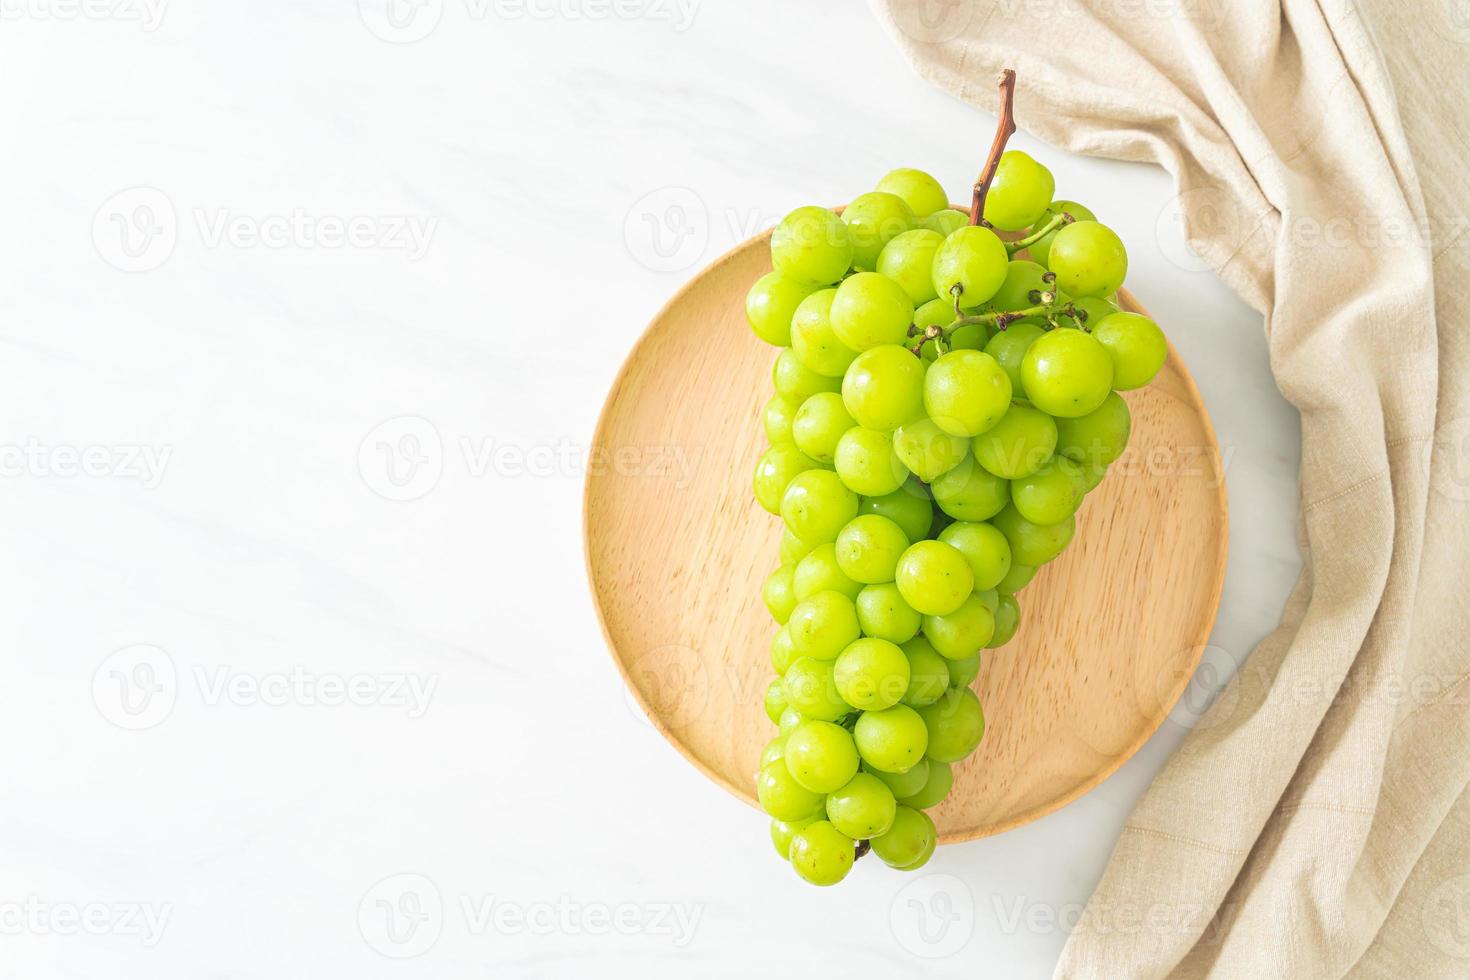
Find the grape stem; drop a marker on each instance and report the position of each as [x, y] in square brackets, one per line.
[863, 847]
[1003, 130]
[1038, 234]
[1046, 306]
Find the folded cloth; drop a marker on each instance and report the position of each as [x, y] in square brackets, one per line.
[1317, 823]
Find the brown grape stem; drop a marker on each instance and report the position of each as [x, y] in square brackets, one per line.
[1003, 130]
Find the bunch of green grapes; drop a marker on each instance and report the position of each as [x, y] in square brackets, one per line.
[943, 402]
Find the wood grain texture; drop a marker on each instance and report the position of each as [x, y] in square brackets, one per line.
[677, 549]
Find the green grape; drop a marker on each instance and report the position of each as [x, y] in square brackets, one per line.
[936, 787]
[927, 450]
[923, 858]
[911, 836]
[823, 625]
[1089, 260]
[777, 417]
[882, 613]
[1099, 437]
[816, 505]
[793, 549]
[1051, 494]
[821, 854]
[796, 382]
[973, 259]
[984, 547]
[928, 673]
[1067, 373]
[962, 632]
[934, 578]
[870, 310]
[908, 260]
[970, 493]
[1040, 250]
[775, 470]
[811, 690]
[790, 718]
[893, 739]
[871, 674]
[818, 571]
[940, 522]
[779, 593]
[1007, 619]
[1022, 278]
[970, 336]
[955, 724]
[946, 221]
[902, 784]
[1137, 346]
[1092, 475]
[1016, 579]
[782, 652]
[908, 507]
[783, 830]
[989, 598]
[771, 303]
[940, 313]
[1018, 445]
[1093, 309]
[966, 392]
[782, 796]
[1008, 347]
[821, 756]
[814, 340]
[921, 192]
[811, 244]
[863, 808]
[866, 462]
[935, 313]
[820, 422]
[884, 388]
[873, 220]
[775, 701]
[962, 672]
[1036, 320]
[1019, 193]
[1034, 544]
[868, 548]
[775, 749]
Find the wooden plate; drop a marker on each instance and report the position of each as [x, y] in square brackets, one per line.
[677, 549]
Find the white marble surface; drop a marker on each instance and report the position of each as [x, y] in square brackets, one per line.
[247, 250]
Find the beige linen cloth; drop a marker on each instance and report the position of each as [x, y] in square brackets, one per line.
[1320, 827]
